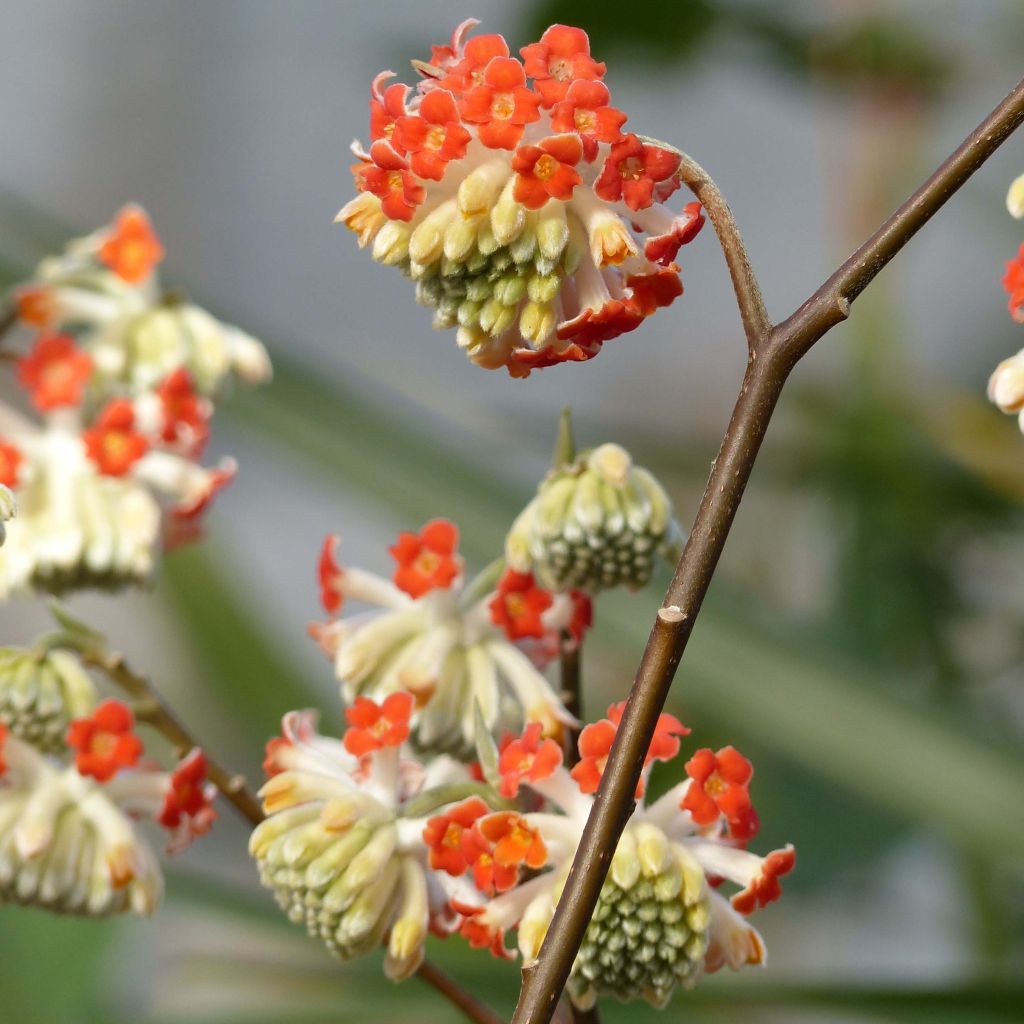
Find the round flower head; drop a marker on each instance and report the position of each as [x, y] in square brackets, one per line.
[342, 843]
[68, 834]
[123, 381]
[507, 189]
[456, 648]
[595, 523]
[41, 691]
[661, 920]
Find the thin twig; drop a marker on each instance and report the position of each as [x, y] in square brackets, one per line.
[748, 292]
[456, 994]
[771, 361]
[8, 318]
[570, 668]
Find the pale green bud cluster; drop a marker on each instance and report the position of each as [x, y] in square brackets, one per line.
[484, 263]
[596, 523]
[41, 692]
[649, 931]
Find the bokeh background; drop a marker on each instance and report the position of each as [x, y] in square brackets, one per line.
[864, 640]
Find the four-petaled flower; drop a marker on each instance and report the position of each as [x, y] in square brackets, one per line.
[104, 742]
[131, 249]
[633, 170]
[186, 415]
[427, 560]
[586, 110]
[498, 846]
[518, 605]
[444, 835]
[189, 797]
[112, 442]
[55, 372]
[388, 177]
[529, 758]
[547, 170]
[434, 136]
[721, 787]
[561, 57]
[764, 887]
[374, 726]
[501, 105]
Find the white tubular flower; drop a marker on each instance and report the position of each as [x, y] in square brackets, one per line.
[452, 648]
[41, 691]
[660, 921]
[520, 211]
[596, 523]
[342, 843]
[103, 291]
[68, 838]
[1006, 386]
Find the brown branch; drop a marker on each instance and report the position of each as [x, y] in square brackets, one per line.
[744, 282]
[773, 355]
[8, 318]
[457, 995]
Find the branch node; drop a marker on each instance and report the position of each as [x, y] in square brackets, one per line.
[672, 614]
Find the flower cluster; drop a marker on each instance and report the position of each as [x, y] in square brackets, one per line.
[366, 844]
[123, 381]
[595, 523]
[509, 192]
[68, 834]
[661, 920]
[459, 649]
[1006, 385]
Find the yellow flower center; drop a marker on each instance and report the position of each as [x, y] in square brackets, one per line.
[543, 169]
[503, 106]
[585, 121]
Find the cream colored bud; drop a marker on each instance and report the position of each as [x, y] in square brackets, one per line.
[1006, 385]
[1015, 198]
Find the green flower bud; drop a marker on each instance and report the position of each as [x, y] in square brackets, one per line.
[40, 693]
[596, 523]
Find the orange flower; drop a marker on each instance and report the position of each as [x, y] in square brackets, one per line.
[547, 170]
[633, 170]
[132, 248]
[501, 105]
[373, 726]
[480, 933]
[427, 560]
[112, 441]
[444, 834]
[188, 796]
[329, 573]
[433, 137]
[34, 304]
[497, 846]
[519, 604]
[528, 758]
[105, 742]
[663, 248]
[560, 58]
[765, 888]
[55, 372]
[721, 784]
[10, 464]
[585, 110]
[388, 177]
[186, 414]
[386, 108]
[1013, 282]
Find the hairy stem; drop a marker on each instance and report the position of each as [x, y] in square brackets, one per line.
[773, 353]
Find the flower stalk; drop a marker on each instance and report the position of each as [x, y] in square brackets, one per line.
[774, 351]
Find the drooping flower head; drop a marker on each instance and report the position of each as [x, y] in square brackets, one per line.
[457, 648]
[123, 379]
[508, 190]
[68, 835]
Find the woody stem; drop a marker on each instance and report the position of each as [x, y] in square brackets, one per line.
[773, 352]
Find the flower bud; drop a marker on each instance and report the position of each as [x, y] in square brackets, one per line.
[1015, 198]
[594, 524]
[1006, 385]
[8, 508]
[41, 692]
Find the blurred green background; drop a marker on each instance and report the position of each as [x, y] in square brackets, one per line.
[864, 640]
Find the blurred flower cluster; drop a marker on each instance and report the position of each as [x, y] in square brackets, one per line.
[509, 192]
[1006, 385]
[121, 378]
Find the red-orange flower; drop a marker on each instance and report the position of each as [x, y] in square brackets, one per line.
[10, 464]
[373, 726]
[386, 108]
[582, 615]
[271, 755]
[186, 414]
[427, 560]
[187, 796]
[654, 291]
[477, 53]
[434, 136]
[519, 604]
[527, 759]
[663, 248]
[585, 110]
[480, 933]
[55, 372]
[3, 740]
[328, 574]
[765, 888]
[721, 787]
[595, 744]
[1013, 282]
[501, 106]
[497, 846]
[561, 57]
[443, 835]
[34, 305]
[632, 171]
[112, 442]
[192, 509]
[131, 249]
[547, 170]
[104, 742]
[390, 179]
